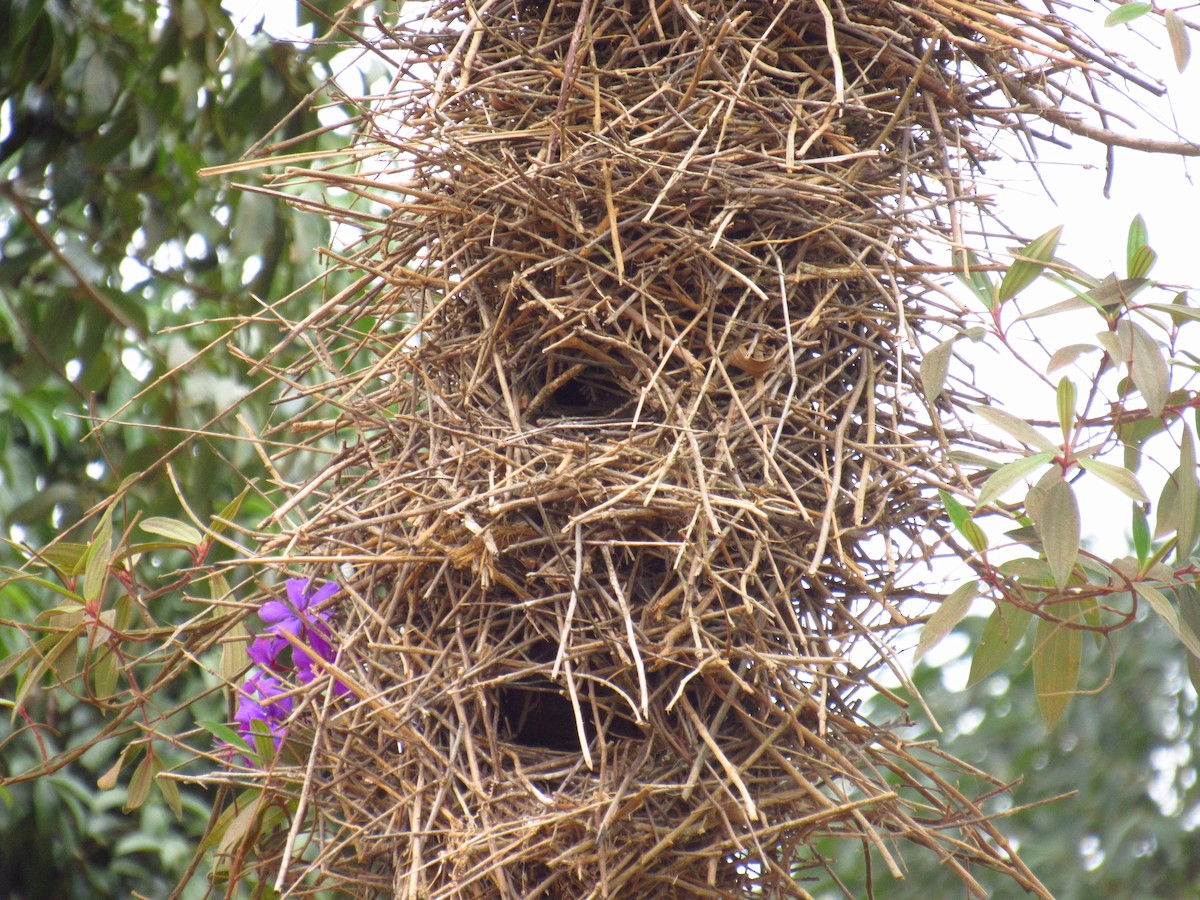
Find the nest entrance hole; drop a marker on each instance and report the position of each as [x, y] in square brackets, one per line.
[534, 711]
[582, 390]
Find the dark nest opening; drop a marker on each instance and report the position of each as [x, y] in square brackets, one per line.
[638, 439]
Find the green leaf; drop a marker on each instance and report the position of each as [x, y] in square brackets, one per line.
[1148, 366]
[1136, 239]
[1187, 498]
[961, 519]
[1143, 261]
[1177, 309]
[1010, 474]
[48, 585]
[1166, 518]
[1141, 535]
[1109, 293]
[1181, 45]
[1027, 570]
[66, 558]
[48, 649]
[968, 271]
[1058, 524]
[1056, 662]
[1030, 262]
[1118, 476]
[221, 521]
[225, 734]
[139, 784]
[170, 791]
[1001, 634]
[1018, 428]
[949, 613]
[1065, 398]
[172, 529]
[95, 575]
[934, 368]
[1127, 13]
[955, 510]
[1064, 356]
[104, 673]
[238, 828]
[1157, 601]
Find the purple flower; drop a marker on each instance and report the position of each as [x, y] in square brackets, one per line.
[260, 699]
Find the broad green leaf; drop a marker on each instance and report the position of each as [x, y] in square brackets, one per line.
[1177, 309]
[1035, 499]
[1056, 660]
[1018, 428]
[238, 828]
[1148, 366]
[1158, 602]
[1030, 261]
[1181, 45]
[934, 368]
[1001, 634]
[1113, 291]
[1166, 518]
[1141, 535]
[949, 613]
[1028, 570]
[139, 784]
[1064, 356]
[172, 529]
[1118, 476]
[170, 792]
[48, 650]
[104, 673]
[95, 572]
[968, 271]
[1058, 524]
[1127, 13]
[65, 557]
[976, 460]
[1065, 398]
[1004, 478]
[1188, 497]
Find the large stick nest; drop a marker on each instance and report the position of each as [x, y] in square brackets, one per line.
[633, 447]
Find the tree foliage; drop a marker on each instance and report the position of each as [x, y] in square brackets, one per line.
[119, 263]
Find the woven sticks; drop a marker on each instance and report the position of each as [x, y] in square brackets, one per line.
[632, 444]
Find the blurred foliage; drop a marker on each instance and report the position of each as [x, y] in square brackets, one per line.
[118, 264]
[1128, 752]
